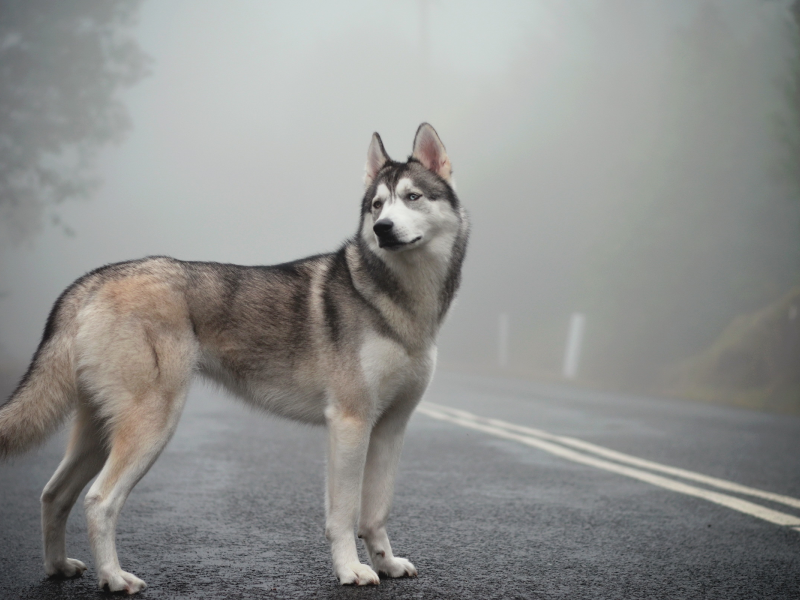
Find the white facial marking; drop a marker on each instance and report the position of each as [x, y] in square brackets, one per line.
[403, 187]
[407, 216]
[416, 222]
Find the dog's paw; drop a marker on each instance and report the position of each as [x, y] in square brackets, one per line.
[395, 567]
[71, 567]
[120, 581]
[357, 574]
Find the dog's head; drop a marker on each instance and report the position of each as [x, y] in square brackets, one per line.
[408, 205]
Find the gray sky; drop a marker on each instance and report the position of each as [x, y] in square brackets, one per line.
[249, 137]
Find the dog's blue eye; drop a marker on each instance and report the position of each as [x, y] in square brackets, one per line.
[414, 196]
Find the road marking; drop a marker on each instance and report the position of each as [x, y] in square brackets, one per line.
[556, 445]
[625, 458]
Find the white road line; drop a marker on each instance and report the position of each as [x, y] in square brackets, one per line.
[472, 422]
[623, 458]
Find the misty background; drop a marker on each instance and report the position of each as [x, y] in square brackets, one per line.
[637, 162]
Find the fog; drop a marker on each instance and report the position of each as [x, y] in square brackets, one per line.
[632, 161]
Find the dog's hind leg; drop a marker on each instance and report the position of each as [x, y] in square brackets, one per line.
[84, 457]
[138, 436]
[135, 349]
[385, 445]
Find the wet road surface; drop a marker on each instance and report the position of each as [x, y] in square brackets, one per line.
[234, 508]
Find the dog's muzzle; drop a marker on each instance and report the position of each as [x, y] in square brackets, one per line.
[384, 229]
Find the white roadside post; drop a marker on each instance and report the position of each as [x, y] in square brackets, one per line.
[502, 341]
[572, 354]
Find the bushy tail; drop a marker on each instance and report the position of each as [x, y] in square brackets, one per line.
[42, 400]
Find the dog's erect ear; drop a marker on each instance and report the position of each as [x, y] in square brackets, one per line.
[429, 150]
[376, 158]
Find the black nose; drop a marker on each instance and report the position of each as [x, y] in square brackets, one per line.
[383, 227]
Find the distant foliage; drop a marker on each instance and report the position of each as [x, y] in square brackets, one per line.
[62, 64]
[719, 236]
[752, 363]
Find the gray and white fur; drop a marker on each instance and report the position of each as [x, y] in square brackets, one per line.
[346, 339]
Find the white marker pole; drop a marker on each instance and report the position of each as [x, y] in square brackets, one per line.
[502, 341]
[574, 341]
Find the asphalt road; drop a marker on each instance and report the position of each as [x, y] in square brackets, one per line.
[234, 509]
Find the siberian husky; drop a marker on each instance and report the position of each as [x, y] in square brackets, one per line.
[346, 339]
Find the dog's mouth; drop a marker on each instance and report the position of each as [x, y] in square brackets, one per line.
[394, 244]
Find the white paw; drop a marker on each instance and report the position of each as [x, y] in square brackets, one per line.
[394, 567]
[357, 574]
[71, 567]
[120, 581]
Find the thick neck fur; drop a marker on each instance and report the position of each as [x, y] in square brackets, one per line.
[411, 289]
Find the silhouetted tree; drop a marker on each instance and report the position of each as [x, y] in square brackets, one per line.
[62, 65]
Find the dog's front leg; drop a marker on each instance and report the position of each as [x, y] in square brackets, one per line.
[348, 439]
[386, 442]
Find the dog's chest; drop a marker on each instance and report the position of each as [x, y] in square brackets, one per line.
[389, 370]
